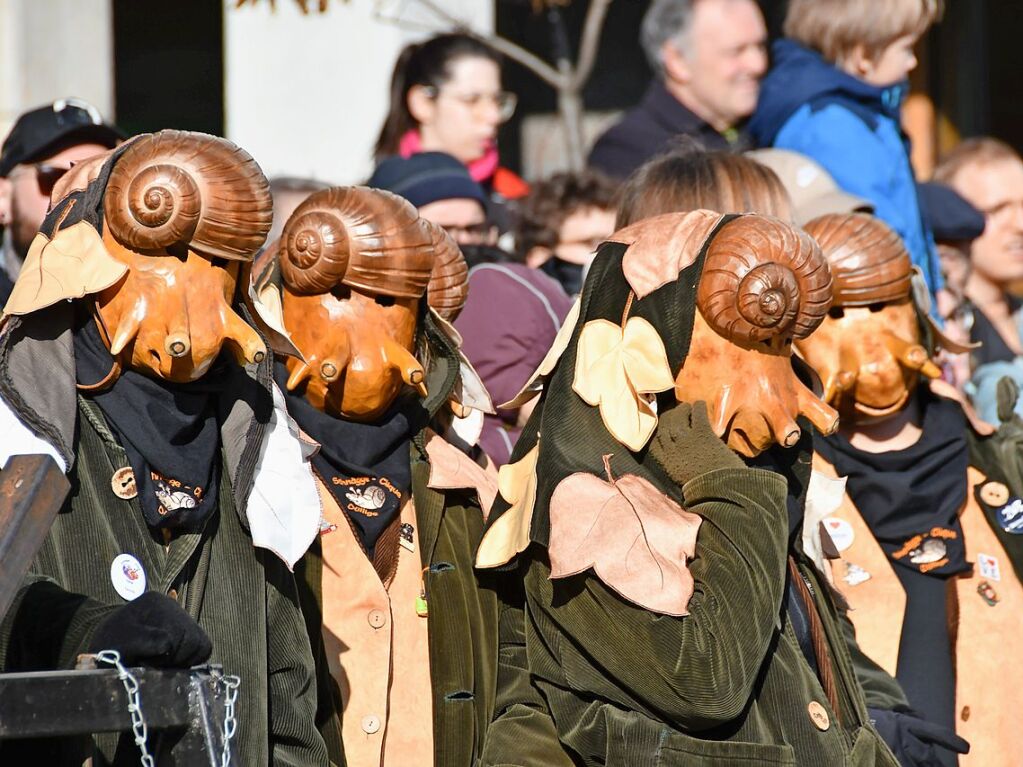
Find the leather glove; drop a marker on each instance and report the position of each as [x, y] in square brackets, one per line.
[914, 741]
[153, 630]
[686, 446]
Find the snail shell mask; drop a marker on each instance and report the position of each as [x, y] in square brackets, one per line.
[763, 285]
[182, 216]
[355, 264]
[868, 350]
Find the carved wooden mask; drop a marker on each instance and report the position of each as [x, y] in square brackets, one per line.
[763, 285]
[868, 349]
[355, 264]
[185, 212]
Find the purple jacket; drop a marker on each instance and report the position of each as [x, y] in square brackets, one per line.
[509, 322]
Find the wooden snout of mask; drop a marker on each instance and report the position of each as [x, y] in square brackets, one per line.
[355, 263]
[170, 317]
[869, 358]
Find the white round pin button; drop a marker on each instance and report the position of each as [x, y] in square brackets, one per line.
[128, 577]
[841, 532]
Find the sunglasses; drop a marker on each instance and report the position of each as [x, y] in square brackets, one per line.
[46, 175]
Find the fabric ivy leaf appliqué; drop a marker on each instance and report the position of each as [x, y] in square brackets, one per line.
[615, 368]
[509, 535]
[636, 539]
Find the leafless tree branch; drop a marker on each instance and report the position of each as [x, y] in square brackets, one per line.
[590, 41]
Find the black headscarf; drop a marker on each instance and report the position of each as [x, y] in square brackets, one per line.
[169, 432]
[367, 467]
[911, 498]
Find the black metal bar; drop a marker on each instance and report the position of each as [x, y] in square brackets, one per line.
[55, 703]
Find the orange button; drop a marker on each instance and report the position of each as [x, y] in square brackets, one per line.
[965, 714]
[123, 483]
[819, 716]
[377, 618]
[370, 724]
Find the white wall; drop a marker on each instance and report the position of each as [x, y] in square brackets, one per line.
[51, 49]
[306, 95]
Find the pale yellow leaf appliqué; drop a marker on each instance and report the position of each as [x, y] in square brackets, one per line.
[509, 535]
[615, 369]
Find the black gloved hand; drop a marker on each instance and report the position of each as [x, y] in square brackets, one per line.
[686, 446]
[914, 741]
[153, 630]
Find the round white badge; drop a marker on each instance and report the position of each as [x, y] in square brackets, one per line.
[841, 532]
[128, 577]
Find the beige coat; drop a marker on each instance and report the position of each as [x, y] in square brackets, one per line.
[988, 640]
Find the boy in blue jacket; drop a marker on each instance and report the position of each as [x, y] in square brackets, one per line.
[835, 93]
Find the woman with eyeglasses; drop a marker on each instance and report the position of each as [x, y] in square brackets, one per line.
[446, 96]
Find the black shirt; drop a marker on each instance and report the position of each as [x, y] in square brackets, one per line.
[647, 130]
[6, 286]
[994, 348]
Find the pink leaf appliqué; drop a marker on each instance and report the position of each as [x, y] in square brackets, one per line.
[637, 540]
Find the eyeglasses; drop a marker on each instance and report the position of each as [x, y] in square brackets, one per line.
[472, 234]
[47, 175]
[503, 101]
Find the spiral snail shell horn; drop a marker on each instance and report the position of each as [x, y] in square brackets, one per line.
[179, 187]
[763, 279]
[367, 239]
[314, 250]
[449, 278]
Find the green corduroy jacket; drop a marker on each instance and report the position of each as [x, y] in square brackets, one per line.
[462, 620]
[727, 685]
[244, 598]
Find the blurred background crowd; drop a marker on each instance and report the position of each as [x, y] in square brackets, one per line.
[515, 125]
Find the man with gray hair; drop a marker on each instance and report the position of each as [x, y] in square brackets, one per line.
[709, 56]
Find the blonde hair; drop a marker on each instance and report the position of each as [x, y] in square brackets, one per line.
[689, 179]
[835, 27]
[973, 151]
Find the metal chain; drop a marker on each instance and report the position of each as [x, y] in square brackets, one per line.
[131, 686]
[231, 683]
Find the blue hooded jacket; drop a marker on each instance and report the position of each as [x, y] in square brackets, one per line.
[852, 128]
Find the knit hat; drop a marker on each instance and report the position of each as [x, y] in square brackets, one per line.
[427, 177]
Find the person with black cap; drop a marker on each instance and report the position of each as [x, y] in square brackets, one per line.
[955, 224]
[442, 190]
[41, 147]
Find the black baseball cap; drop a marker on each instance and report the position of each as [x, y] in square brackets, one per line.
[64, 122]
[950, 217]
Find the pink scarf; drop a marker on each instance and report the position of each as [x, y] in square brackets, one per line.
[481, 169]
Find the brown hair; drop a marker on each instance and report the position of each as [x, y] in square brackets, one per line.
[426, 63]
[551, 201]
[835, 27]
[689, 179]
[973, 151]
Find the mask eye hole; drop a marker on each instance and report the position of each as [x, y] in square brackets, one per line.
[341, 292]
[218, 262]
[384, 300]
[836, 312]
[876, 307]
